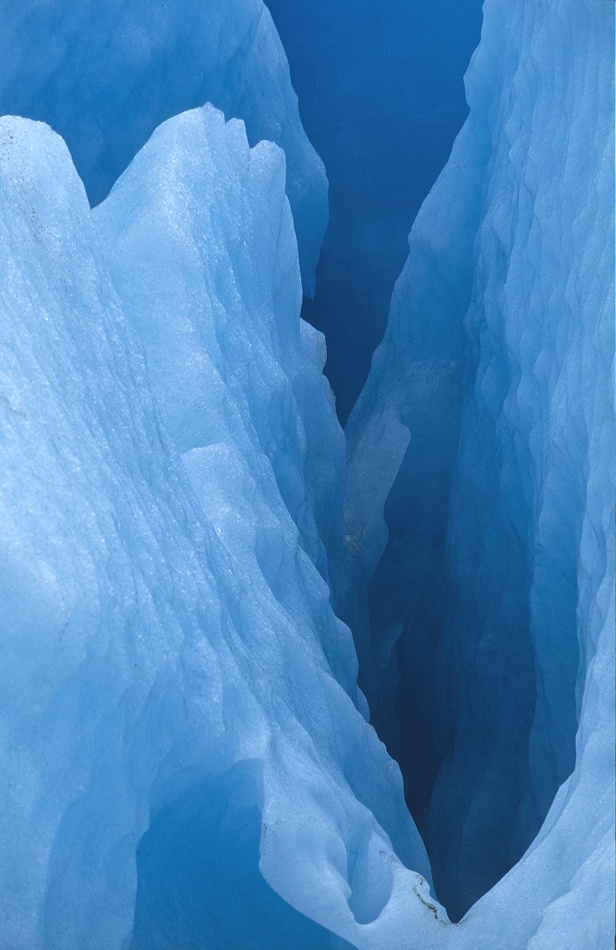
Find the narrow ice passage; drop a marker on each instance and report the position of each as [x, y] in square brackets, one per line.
[381, 96]
[207, 588]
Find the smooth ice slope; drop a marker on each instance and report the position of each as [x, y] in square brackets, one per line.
[494, 589]
[178, 699]
[104, 75]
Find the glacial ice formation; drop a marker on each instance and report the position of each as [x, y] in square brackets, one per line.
[185, 754]
[171, 671]
[494, 590]
[104, 75]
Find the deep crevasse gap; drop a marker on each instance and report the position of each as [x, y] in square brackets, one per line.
[181, 726]
[381, 97]
[487, 603]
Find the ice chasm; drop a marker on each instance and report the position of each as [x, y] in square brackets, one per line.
[283, 669]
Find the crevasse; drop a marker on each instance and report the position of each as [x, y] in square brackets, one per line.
[185, 745]
[381, 98]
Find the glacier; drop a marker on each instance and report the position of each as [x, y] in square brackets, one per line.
[266, 683]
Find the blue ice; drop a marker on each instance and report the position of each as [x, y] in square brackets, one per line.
[266, 683]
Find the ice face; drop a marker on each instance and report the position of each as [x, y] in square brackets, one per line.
[492, 593]
[166, 636]
[105, 75]
[237, 296]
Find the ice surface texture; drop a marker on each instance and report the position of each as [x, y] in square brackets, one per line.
[493, 595]
[104, 75]
[173, 717]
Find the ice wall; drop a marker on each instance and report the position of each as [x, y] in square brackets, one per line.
[105, 75]
[180, 729]
[493, 591]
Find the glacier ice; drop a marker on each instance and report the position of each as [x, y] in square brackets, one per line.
[105, 75]
[185, 749]
[489, 603]
[196, 219]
